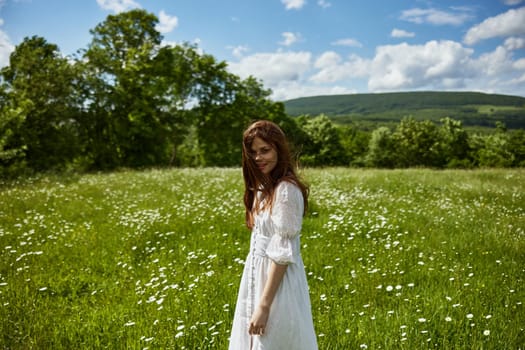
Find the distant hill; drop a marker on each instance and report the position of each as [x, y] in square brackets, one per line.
[472, 108]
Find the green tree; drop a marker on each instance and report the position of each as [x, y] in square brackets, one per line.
[517, 147]
[493, 150]
[132, 90]
[454, 141]
[324, 145]
[40, 106]
[12, 153]
[417, 143]
[381, 147]
[354, 143]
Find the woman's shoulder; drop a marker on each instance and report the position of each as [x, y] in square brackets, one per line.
[287, 184]
[287, 189]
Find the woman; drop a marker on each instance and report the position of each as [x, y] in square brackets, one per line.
[273, 309]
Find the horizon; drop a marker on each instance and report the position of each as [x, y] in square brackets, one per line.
[407, 92]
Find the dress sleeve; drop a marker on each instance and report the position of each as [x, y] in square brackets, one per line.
[287, 220]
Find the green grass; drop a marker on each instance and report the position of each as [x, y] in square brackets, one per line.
[490, 109]
[396, 259]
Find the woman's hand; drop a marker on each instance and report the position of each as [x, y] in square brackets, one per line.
[259, 320]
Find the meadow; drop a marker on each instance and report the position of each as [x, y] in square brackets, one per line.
[395, 259]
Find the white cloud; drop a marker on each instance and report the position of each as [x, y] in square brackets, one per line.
[400, 33]
[6, 47]
[289, 90]
[327, 59]
[273, 68]
[289, 38]
[436, 17]
[323, 3]
[238, 51]
[403, 66]
[293, 4]
[497, 72]
[514, 43]
[506, 24]
[118, 6]
[519, 64]
[286, 74]
[512, 2]
[166, 22]
[497, 62]
[517, 81]
[333, 69]
[347, 42]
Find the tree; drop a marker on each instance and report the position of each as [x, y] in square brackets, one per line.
[40, 107]
[493, 150]
[381, 147]
[12, 153]
[354, 144]
[324, 145]
[517, 147]
[417, 143]
[130, 92]
[454, 141]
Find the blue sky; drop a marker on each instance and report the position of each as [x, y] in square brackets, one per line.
[314, 47]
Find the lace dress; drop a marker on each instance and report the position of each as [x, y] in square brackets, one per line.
[275, 237]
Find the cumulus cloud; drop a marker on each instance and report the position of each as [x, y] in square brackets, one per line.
[118, 6]
[289, 90]
[400, 33]
[506, 24]
[6, 47]
[520, 64]
[347, 42]
[286, 74]
[166, 22]
[289, 38]
[403, 66]
[327, 59]
[495, 63]
[273, 68]
[293, 4]
[435, 65]
[437, 17]
[514, 43]
[332, 68]
[238, 51]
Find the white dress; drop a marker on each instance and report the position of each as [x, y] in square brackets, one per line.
[275, 237]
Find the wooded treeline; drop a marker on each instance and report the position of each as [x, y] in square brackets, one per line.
[128, 101]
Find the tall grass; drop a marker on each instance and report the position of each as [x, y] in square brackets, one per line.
[405, 259]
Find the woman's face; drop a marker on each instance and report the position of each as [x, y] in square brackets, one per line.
[264, 154]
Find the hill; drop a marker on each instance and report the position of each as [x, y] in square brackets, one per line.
[472, 108]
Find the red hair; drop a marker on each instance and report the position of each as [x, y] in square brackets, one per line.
[255, 180]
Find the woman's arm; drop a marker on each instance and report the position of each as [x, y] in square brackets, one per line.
[260, 316]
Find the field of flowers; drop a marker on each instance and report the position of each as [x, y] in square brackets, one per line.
[399, 259]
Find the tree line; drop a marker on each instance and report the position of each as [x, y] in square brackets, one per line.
[128, 101]
[411, 143]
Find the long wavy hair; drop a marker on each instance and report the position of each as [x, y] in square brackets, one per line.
[255, 180]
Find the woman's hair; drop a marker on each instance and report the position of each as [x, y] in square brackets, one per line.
[255, 180]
